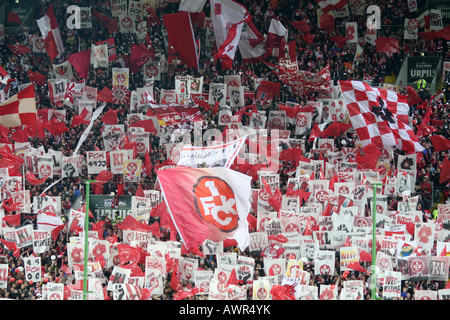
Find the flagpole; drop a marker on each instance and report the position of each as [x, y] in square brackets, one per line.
[374, 240]
[86, 246]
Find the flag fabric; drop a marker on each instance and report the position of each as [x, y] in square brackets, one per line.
[13, 18]
[40, 79]
[413, 97]
[252, 44]
[18, 49]
[81, 61]
[139, 57]
[379, 116]
[181, 36]
[192, 5]
[208, 203]
[275, 36]
[99, 56]
[327, 22]
[228, 19]
[48, 26]
[20, 109]
[267, 90]
[329, 5]
[304, 82]
[440, 143]
[46, 222]
[221, 155]
[445, 172]
[301, 26]
[387, 44]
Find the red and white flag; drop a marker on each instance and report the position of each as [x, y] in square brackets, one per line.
[304, 82]
[19, 109]
[46, 222]
[228, 19]
[252, 44]
[275, 36]
[50, 32]
[379, 116]
[208, 203]
[328, 5]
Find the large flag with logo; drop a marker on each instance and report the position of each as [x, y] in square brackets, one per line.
[379, 116]
[228, 18]
[208, 203]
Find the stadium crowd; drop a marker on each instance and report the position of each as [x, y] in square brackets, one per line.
[311, 55]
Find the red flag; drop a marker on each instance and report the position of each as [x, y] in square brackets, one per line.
[128, 254]
[425, 130]
[327, 22]
[309, 38]
[139, 192]
[413, 97]
[302, 26]
[267, 90]
[182, 294]
[365, 256]
[81, 62]
[335, 129]
[105, 95]
[181, 37]
[18, 49]
[202, 103]
[308, 227]
[31, 178]
[19, 136]
[110, 116]
[387, 44]
[103, 177]
[370, 157]
[147, 124]
[13, 18]
[282, 292]
[80, 119]
[40, 79]
[315, 132]
[55, 127]
[148, 167]
[139, 56]
[445, 172]
[340, 40]
[11, 246]
[356, 266]
[440, 143]
[12, 219]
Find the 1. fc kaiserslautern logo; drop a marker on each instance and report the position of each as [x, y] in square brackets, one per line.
[216, 204]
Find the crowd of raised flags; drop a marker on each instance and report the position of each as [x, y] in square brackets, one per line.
[255, 198]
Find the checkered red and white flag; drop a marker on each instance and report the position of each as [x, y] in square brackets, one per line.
[19, 109]
[379, 116]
